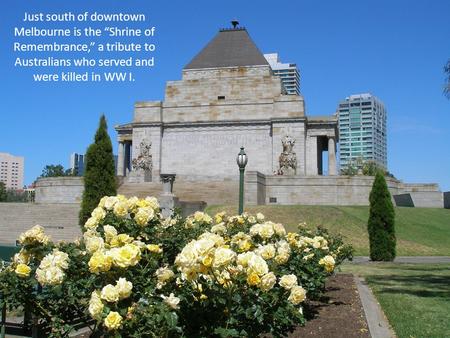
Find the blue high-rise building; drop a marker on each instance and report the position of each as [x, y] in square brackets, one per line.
[362, 130]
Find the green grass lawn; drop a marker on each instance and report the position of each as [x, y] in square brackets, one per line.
[414, 297]
[420, 231]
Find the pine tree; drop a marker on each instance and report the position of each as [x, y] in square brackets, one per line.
[99, 174]
[381, 224]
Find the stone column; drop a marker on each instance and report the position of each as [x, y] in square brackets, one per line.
[167, 200]
[331, 156]
[120, 159]
[127, 157]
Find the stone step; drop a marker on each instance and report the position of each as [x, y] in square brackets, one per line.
[211, 192]
[59, 220]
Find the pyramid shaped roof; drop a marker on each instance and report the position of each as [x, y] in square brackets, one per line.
[229, 48]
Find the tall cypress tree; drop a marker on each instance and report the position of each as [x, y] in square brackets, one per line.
[99, 173]
[381, 224]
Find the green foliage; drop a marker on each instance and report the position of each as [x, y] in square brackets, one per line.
[381, 224]
[99, 175]
[52, 170]
[2, 192]
[363, 167]
[17, 196]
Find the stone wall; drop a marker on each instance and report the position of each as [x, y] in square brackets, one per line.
[328, 190]
[202, 153]
[447, 200]
[403, 200]
[428, 199]
[59, 190]
[60, 221]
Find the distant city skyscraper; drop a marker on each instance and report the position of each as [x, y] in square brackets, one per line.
[362, 130]
[288, 72]
[78, 164]
[11, 170]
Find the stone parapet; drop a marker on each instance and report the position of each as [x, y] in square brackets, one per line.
[327, 190]
[59, 190]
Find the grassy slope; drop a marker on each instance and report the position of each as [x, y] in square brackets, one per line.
[420, 231]
[414, 297]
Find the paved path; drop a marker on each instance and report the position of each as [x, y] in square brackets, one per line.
[407, 259]
[376, 320]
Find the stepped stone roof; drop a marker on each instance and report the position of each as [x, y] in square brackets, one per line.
[229, 48]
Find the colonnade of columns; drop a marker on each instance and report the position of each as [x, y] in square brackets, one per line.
[332, 170]
[124, 158]
[319, 144]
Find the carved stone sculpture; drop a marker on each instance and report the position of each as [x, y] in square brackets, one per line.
[288, 158]
[144, 160]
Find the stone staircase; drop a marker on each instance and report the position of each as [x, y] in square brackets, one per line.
[59, 220]
[211, 192]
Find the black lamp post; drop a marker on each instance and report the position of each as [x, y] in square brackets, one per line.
[241, 160]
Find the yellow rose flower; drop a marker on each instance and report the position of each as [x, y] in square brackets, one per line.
[114, 242]
[22, 257]
[121, 209]
[124, 239]
[35, 235]
[113, 321]
[260, 217]
[91, 223]
[163, 275]
[267, 251]
[94, 244]
[143, 216]
[110, 293]
[60, 259]
[279, 229]
[101, 204]
[155, 248]
[95, 305]
[110, 232]
[266, 230]
[253, 279]
[110, 202]
[219, 228]
[223, 257]
[328, 262]
[258, 265]
[207, 261]
[100, 262]
[98, 213]
[128, 255]
[171, 301]
[288, 281]
[124, 288]
[298, 295]
[22, 270]
[268, 281]
[50, 276]
[131, 203]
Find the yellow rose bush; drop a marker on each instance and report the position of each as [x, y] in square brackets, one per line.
[245, 276]
[135, 274]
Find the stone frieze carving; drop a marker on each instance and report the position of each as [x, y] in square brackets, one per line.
[144, 160]
[288, 158]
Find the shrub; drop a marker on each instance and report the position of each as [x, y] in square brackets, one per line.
[381, 222]
[135, 274]
[99, 175]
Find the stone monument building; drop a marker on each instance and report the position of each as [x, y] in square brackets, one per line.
[227, 97]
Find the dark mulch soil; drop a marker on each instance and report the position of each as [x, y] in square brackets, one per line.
[338, 314]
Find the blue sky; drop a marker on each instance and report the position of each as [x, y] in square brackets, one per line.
[395, 50]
